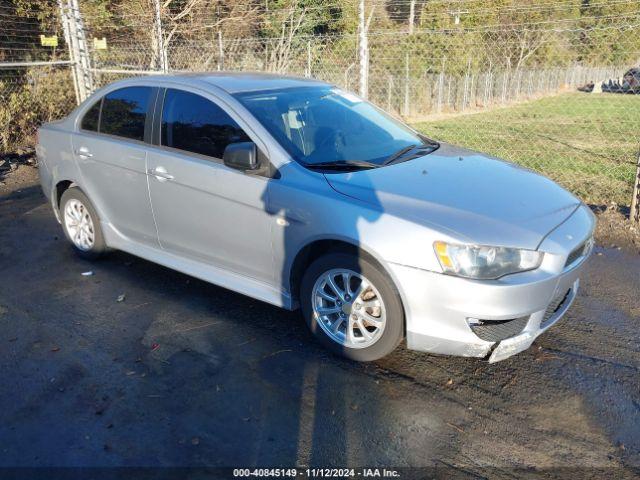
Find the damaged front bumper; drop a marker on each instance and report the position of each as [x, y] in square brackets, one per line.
[499, 318]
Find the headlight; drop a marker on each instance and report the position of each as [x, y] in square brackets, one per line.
[484, 262]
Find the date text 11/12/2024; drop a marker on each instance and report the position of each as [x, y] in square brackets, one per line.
[316, 472]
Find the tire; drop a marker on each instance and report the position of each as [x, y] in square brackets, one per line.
[89, 244]
[381, 302]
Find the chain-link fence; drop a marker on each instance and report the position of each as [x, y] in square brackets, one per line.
[30, 96]
[501, 77]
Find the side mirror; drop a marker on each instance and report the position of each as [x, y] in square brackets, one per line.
[241, 156]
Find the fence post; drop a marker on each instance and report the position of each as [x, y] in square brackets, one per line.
[78, 43]
[441, 85]
[363, 51]
[64, 19]
[161, 61]
[406, 85]
[466, 86]
[220, 52]
[307, 72]
[412, 15]
[634, 215]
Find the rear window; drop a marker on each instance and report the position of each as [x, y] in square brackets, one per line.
[91, 118]
[124, 112]
[195, 124]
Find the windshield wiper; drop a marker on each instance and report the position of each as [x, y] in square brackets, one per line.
[396, 157]
[392, 158]
[342, 165]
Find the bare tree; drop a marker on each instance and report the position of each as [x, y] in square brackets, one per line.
[528, 41]
[279, 48]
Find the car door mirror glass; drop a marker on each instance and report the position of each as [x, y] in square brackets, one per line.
[241, 156]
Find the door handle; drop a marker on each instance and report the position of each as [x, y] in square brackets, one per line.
[161, 174]
[83, 152]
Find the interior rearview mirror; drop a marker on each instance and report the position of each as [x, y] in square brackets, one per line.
[241, 155]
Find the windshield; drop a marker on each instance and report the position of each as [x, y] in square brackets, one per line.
[325, 124]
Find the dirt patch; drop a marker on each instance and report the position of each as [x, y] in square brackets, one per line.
[615, 230]
[20, 176]
[9, 162]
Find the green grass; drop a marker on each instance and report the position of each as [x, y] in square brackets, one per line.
[587, 142]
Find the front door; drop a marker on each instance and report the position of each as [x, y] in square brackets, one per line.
[204, 209]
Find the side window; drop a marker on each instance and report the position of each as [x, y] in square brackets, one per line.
[124, 112]
[194, 124]
[91, 118]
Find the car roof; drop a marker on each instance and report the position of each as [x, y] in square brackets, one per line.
[232, 82]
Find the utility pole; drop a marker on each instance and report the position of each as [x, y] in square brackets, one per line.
[412, 15]
[363, 51]
[161, 60]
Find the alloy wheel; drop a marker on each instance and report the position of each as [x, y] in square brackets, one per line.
[348, 308]
[79, 225]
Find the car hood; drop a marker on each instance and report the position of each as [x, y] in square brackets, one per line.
[465, 194]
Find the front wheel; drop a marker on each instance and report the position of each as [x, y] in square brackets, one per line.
[352, 307]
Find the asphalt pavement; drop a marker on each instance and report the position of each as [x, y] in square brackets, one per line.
[183, 373]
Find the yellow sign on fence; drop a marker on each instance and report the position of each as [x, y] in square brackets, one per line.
[100, 43]
[51, 41]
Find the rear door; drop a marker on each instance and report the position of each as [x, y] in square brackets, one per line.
[110, 150]
[205, 210]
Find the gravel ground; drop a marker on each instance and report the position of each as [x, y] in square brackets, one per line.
[184, 373]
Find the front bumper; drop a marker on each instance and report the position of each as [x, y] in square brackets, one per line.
[441, 309]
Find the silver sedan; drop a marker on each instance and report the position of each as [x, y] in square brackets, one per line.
[300, 194]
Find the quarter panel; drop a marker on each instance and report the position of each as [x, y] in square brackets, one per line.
[55, 158]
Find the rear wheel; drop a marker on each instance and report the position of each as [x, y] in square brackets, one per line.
[352, 307]
[81, 224]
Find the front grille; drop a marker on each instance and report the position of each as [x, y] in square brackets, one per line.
[556, 304]
[496, 330]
